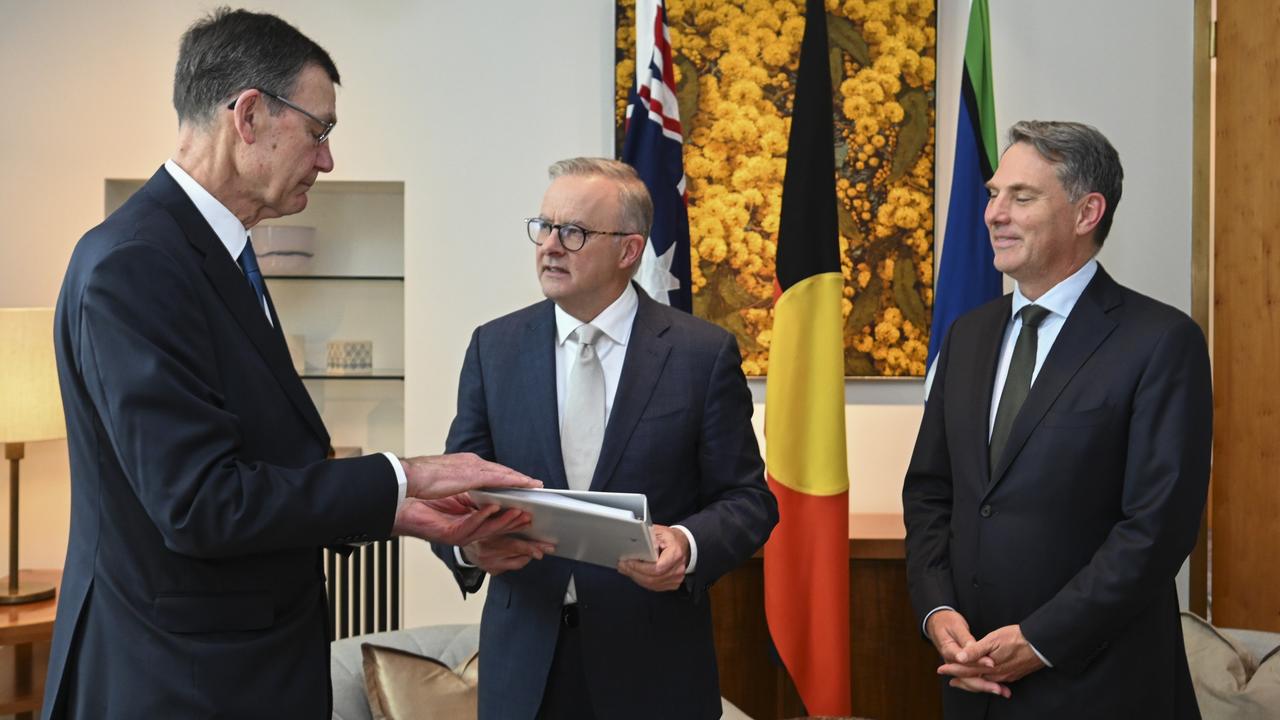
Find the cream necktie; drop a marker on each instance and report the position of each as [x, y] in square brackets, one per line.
[582, 427]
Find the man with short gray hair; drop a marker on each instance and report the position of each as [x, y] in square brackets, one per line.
[1062, 464]
[201, 495]
[599, 387]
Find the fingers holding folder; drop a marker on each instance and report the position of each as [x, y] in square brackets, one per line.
[667, 572]
[500, 554]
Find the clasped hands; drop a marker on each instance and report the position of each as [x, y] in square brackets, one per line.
[502, 553]
[988, 665]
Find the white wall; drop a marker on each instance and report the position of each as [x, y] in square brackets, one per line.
[467, 103]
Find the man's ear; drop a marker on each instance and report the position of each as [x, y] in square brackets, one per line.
[632, 249]
[246, 115]
[1092, 208]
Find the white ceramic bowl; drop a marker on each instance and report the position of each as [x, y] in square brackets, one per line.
[284, 249]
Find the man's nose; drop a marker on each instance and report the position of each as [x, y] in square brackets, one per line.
[324, 157]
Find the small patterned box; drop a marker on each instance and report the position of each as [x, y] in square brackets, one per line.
[350, 357]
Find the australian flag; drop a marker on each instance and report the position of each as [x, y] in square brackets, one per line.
[653, 146]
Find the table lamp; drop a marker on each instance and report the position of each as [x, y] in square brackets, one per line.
[30, 411]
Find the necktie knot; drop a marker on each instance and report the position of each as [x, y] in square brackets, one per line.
[586, 334]
[1033, 315]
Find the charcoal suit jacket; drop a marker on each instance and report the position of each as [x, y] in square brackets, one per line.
[679, 432]
[200, 493]
[1078, 531]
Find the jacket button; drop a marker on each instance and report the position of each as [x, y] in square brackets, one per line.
[985, 511]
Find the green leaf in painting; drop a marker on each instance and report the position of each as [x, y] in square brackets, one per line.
[687, 90]
[843, 34]
[913, 133]
[905, 295]
[865, 303]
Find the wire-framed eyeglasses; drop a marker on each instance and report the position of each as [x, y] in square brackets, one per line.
[319, 137]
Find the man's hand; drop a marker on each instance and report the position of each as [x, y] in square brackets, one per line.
[950, 635]
[439, 476]
[455, 520]
[1010, 655]
[667, 573]
[499, 554]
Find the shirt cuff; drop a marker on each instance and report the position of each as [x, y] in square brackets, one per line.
[924, 626]
[693, 549]
[1043, 659]
[457, 555]
[400, 478]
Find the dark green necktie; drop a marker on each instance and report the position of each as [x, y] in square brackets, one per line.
[1017, 383]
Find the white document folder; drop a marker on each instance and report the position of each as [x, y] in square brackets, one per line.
[600, 528]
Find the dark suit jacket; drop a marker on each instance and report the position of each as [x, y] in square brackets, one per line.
[1078, 532]
[679, 432]
[200, 493]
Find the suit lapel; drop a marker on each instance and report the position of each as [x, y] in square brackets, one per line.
[238, 296]
[990, 341]
[1085, 329]
[646, 355]
[538, 369]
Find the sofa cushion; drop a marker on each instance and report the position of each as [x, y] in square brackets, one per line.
[1229, 681]
[450, 644]
[404, 685]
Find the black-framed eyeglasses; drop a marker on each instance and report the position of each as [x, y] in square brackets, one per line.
[572, 236]
[319, 137]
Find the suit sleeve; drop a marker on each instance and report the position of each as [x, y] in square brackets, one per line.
[738, 510]
[927, 496]
[1165, 483]
[469, 432]
[150, 368]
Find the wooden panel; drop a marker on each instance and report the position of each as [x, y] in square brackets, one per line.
[892, 667]
[1245, 576]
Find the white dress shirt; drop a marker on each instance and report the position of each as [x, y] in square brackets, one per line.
[233, 235]
[1059, 301]
[615, 323]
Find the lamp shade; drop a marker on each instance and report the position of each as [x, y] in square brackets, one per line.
[30, 402]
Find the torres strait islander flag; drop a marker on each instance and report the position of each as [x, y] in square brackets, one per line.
[806, 561]
[966, 276]
[654, 146]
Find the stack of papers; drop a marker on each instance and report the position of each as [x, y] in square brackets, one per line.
[600, 528]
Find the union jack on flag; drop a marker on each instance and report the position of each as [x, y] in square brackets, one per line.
[653, 146]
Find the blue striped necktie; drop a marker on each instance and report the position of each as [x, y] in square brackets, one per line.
[249, 263]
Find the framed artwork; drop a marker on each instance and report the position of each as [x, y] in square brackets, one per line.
[735, 72]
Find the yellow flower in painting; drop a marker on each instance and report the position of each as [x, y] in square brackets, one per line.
[892, 112]
[887, 333]
[863, 343]
[906, 218]
[893, 316]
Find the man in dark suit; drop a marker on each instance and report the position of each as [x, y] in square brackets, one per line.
[668, 415]
[200, 490]
[1062, 463]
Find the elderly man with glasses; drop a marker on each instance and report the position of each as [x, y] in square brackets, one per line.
[599, 387]
[201, 493]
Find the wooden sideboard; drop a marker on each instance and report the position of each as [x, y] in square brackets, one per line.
[893, 674]
[25, 632]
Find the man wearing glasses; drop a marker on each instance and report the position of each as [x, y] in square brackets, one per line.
[201, 494]
[599, 387]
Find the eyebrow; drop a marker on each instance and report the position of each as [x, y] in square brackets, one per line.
[1015, 187]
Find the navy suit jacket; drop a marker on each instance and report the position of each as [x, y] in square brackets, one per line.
[200, 491]
[679, 432]
[1078, 532]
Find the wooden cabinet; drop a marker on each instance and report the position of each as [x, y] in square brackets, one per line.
[25, 632]
[892, 667]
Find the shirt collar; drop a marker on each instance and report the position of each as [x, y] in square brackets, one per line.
[614, 321]
[1060, 298]
[225, 224]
